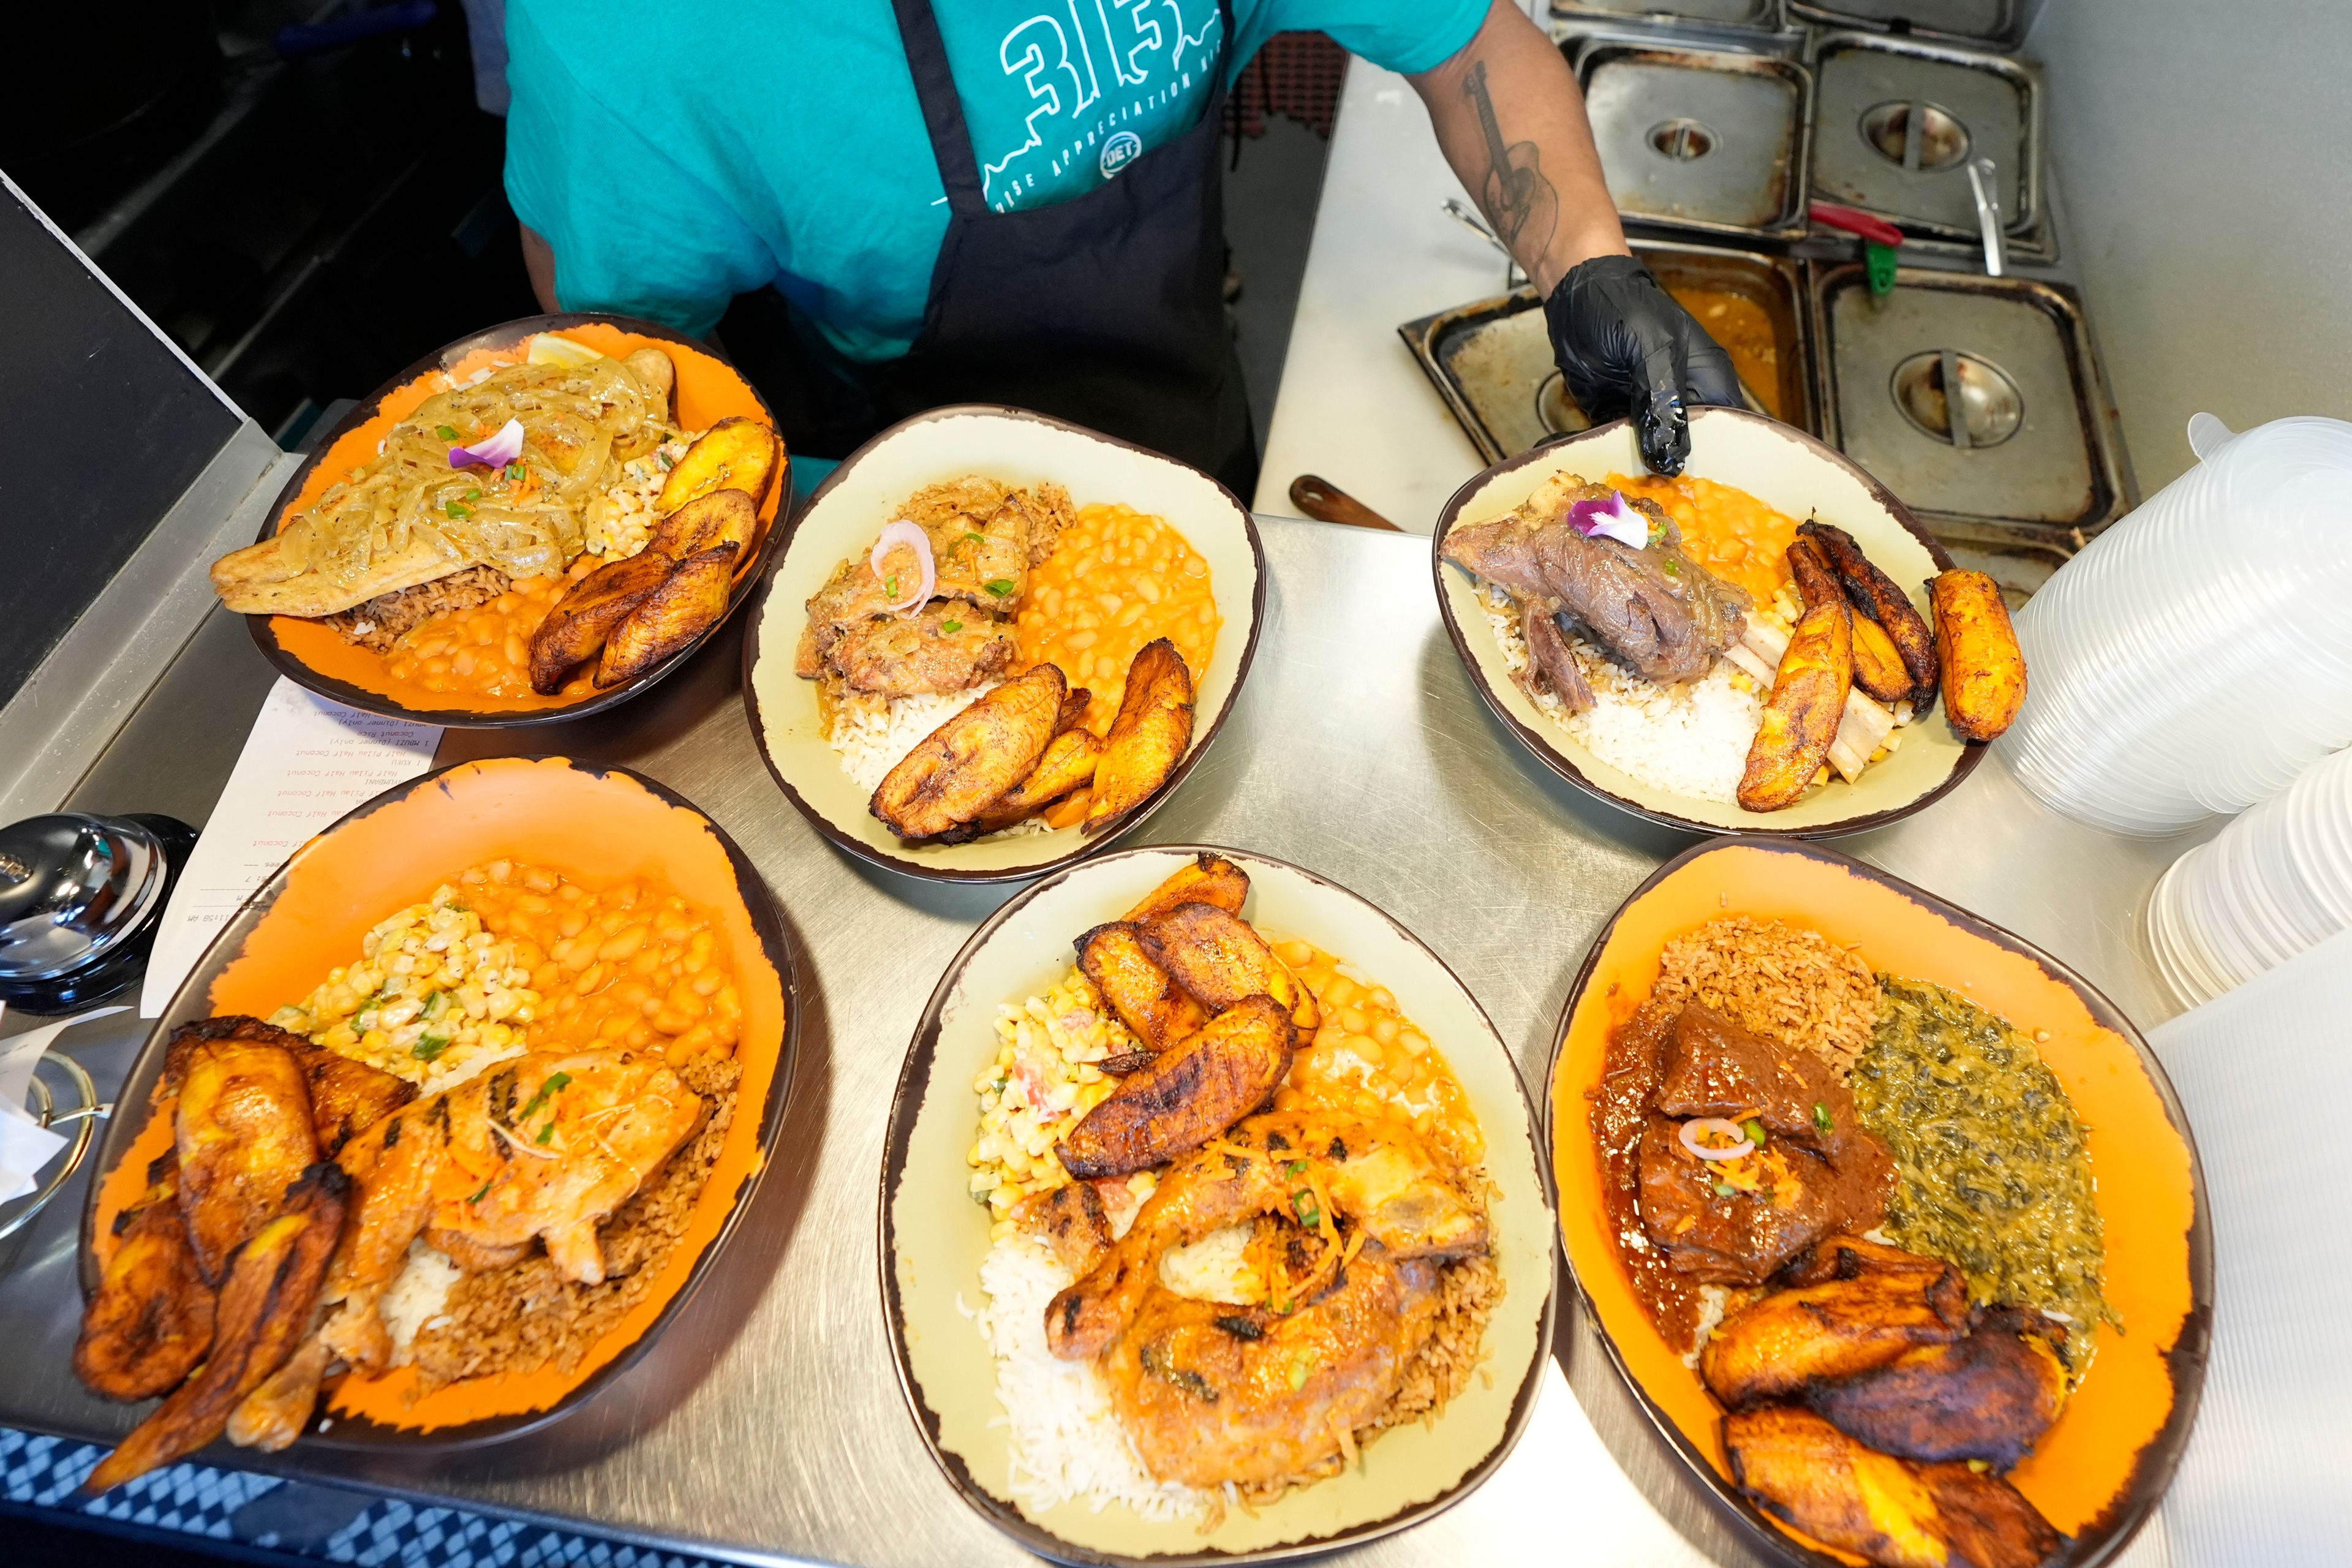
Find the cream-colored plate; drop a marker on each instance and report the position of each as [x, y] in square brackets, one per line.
[1787, 470]
[934, 1236]
[1019, 449]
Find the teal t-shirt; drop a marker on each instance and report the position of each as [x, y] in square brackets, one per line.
[676, 154]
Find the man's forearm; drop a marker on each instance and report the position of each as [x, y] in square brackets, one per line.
[1511, 122]
[538, 261]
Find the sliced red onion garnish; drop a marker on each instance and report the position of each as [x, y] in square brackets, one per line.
[912, 536]
[495, 453]
[1720, 1128]
[1612, 519]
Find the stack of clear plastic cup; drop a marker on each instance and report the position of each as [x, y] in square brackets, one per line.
[2197, 655]
[2275, 882]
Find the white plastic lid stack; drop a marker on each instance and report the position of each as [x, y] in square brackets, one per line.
[2262, 1480]
[2197, 655]
[2275, 882]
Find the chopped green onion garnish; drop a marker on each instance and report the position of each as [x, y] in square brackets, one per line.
[1755, 1131]
[950, 625]
[1724, 1189]
[1298, 1372]
[446, 432]
[459, 508]
[1002, 586]
[473, 495]
[1304, 1205]
[1821, 1117]
[891, 585]
[553, 1086]
[514, 471]
[1296, 1168]
[478, 1196]
[974, 539]
[545, 1133]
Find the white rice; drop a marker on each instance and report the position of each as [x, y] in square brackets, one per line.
[872, 736]
[417, 1295]
[1067, 1444]
[1690, 738]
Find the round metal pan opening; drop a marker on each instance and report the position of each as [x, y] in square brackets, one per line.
[1681, 140]
[1917, 135]
[1991, 408]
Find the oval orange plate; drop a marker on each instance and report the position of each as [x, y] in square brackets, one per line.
[597, 823]
[313, 655]
[2096, 1473]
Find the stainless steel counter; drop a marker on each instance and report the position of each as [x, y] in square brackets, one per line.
[767, 1424]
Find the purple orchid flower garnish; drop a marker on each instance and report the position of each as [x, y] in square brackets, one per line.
[1613, 519]
[496, 452]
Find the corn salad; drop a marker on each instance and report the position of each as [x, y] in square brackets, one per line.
[433, 999]
[1042, 1081]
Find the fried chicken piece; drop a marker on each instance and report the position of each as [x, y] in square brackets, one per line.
[1144, 995]
[1401, 1191]
[1988, 1396]
[564, 1138]
[243, 1132]
[1795, 1465]
[939, 790]
[1778, 1347]
[1210, 879]
[1212, 1393]
[265, 1308]
[891, 657]
[150, 1321]
[1219, 959]
[1191, 1092]
[1070, 1221]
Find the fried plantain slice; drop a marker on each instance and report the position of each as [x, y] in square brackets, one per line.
[346, 1096]
[1802, 715]
[243, 1133]
[1217, 957]
[265, 1309]
[1074, 709]
[1143, 995]
[736, 454]
[688, 602]
[939, 790]
[1069, 763]
[1195, 1091]
[1149, 737]
[722, 517]
[1977, 649]
[150, 1321]
[1878, 668]
[1795, 1465]
[577, 627]
[1988, 1396]
[1874, 594]
[1209, 879]
[1777, 1347]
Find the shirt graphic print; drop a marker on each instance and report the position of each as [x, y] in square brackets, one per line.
[1087, 86]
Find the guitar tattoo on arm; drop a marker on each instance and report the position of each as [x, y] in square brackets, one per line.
[1517, 199]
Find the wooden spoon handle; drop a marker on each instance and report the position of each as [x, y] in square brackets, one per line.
[1324, 502]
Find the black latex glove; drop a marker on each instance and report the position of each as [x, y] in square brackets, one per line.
[1626, 346]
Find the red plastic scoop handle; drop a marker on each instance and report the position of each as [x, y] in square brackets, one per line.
[1859, 223]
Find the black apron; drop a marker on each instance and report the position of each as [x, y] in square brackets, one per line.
[1107, 310]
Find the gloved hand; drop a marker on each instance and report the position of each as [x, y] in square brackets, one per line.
[1625, 345]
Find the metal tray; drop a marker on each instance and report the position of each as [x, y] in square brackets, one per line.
[2041, 470]
[1866, 90]
[1709, 141]
[1757, 16]
[1985, 24]
[1491, 360]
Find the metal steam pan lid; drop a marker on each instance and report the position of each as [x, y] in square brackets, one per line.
[2022, 442]
[1896, 124]
[1711, 139]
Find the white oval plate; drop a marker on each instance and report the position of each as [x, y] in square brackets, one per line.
[1016, 447]
[934, 1237]
[1787, 470]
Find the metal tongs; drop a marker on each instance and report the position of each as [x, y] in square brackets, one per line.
[1980, 181]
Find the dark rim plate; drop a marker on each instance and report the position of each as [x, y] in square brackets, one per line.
[906, 1103]
[2106, 1537]
[908, 862]
[191, 1001]
[265, 637]
[1542, 745]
